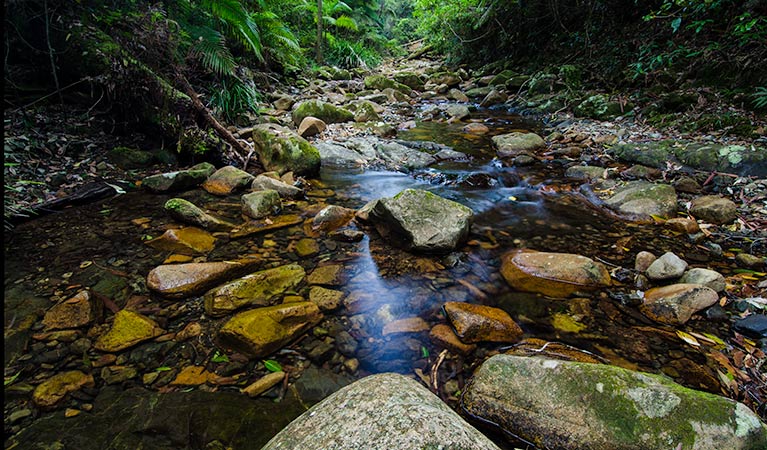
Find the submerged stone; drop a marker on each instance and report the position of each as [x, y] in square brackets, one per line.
[331, 218]
[385, 411]
[256, 289]
[262, 331]
[422, 221]
[675, 304]
[553, 274]
[128, 329]
[53, 390]
[579, 406]
[77, 311]
[187, 280]
[479, 323]
[184, 241]
[444, 336]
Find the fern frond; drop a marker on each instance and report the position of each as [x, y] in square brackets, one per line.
[346, 22]
[210, 46]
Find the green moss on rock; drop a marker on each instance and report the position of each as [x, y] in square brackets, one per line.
[322, 110]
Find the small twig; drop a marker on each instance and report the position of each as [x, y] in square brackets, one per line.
[435, 368]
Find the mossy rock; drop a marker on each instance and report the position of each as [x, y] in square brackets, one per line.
[194, 141]
[578, 406]
[381, 82]
[322, 110]
[410, 80]
[600, 107]
[130, 158]
[502, 78]
[571, 76]
[282, 150]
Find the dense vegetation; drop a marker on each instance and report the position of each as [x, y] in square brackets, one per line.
[141, 63]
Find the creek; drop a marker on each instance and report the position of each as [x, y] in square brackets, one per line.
[102, 246]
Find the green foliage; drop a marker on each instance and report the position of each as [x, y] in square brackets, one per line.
[219, 357]
[760, 98]
[234, 98]
[272, 365]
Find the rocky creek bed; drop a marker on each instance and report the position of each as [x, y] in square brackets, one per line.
[421, 227]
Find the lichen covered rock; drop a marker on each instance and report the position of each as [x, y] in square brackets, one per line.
[256, 289]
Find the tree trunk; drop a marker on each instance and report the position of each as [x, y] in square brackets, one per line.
[319, 32]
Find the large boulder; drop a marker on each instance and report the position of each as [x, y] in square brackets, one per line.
[282, 150]
[260, 204]
[516, 143]
[423, 221]
[261, 331]
[579, 406]
[450, 79]
[409, 79]
[676, 303]
[188, 280]
[384, 411]
[644, 199]
[324, 111]
[372, 152]
[256, 289]
[227, 180]
[553, 274]
[479, 323]
[180, 180]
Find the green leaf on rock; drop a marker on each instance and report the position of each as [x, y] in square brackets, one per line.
[424, 352]
[272, 365]
[219, 357]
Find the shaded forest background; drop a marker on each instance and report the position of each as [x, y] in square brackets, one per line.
[144, 64]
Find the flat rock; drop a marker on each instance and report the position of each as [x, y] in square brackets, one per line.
[187, 212]
[675, 304]
[476, 128]
[262, 182]
[682, 225]
[478, 323]
[53, 390]
[265, 225]
[184, 241]
[707, 277]
[515, 144]
[644, 199]
[256, 289]
[188, 280]
[444, 336]
[179, 180]
[384, 411]
[422, 221]
[307, 247]
[260, 204]
[586, 172]
[713, 209]
[553, 274]
[128, 329]
[666, 267]
[262, 331]
[77, 311]
[579, 406]
[227, 180]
